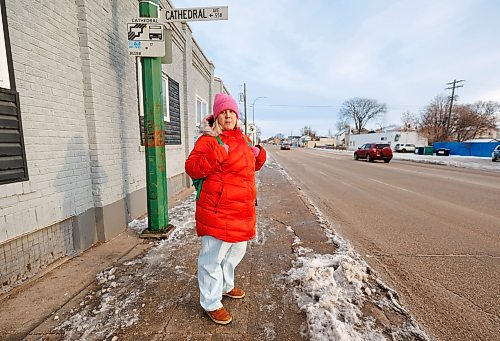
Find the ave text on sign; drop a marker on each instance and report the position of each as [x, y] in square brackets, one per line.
[195, 14]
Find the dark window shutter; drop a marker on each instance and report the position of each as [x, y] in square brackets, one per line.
[141, 128]
[173, 128]
[13, 166]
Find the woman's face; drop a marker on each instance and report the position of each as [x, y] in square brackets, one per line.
[227, 119]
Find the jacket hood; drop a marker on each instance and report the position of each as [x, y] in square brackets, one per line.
[205, 128]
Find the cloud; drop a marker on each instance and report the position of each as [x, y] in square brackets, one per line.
[401, 53]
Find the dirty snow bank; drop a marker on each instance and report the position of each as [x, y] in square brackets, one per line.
[341, 295]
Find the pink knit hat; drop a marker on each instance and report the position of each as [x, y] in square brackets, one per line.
[223, 102]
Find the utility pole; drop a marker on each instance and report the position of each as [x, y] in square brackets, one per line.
[454, 85]
[156, 174]
[245, 104]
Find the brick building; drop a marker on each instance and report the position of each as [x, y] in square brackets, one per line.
[72, 163]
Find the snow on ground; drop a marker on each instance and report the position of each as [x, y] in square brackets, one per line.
[471, 162]
[104, 312]
[332, 289]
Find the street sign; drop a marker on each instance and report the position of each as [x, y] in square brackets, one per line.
[195, 14]
[252, 128]
[146, 38]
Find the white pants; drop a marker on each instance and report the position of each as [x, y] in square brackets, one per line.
[216, 264]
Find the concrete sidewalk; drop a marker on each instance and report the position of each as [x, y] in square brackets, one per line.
[159, 290]
[129, 289]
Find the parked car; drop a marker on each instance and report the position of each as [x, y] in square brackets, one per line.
[285, 146]
[495, 154]
[374, 151]
[404, 147]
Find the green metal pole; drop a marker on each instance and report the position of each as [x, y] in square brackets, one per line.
[156, 174]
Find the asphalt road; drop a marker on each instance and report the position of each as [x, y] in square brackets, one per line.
[432, 232]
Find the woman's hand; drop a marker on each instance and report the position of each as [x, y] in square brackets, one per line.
[255, 151]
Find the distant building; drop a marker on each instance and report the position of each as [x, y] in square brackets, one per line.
[353, 141]
[320, 142]
[293, 140]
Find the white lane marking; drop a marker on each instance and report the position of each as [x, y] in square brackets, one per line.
[386, 184]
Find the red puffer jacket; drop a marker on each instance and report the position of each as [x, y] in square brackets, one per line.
[226, 206]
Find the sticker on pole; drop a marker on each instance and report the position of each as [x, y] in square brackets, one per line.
[145, 39]
[195, 14]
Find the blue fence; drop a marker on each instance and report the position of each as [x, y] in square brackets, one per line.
[468, 148]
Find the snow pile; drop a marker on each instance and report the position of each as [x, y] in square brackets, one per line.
[112, 312]
[330, 289]
[471, 162]
[333, 289]
[138, 225]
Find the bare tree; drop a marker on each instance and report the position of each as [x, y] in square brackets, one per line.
[381, 121]
[409, 121]
[330, 133]
[307, 131]
[361, 110]
[467, 121]
[258, 133]
[434, 120]
[473, 120]
[341, 125]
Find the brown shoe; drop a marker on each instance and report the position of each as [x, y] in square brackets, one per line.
[220, 316]
[235, 293]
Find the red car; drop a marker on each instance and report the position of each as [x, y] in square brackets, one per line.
[374, 151]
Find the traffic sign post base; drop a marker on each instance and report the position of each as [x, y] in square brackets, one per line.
[163, 234]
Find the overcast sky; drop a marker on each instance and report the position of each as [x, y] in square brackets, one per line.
[307, 57]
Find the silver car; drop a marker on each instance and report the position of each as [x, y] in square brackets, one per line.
[495, 154]
[404, 147]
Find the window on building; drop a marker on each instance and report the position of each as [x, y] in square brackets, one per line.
[13, 167]
[169, 96]
[4, 62]
[201, 110]
[164, 98]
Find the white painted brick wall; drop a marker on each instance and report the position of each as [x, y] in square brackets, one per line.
[117, 163]
[49, 80]
[78, 99]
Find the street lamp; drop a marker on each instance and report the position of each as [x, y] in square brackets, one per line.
[253, 117]
[253, 108]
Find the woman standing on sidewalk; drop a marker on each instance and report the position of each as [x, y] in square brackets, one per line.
[225, 209]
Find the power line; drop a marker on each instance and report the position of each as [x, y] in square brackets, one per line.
[299, 106]
[397, 107]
